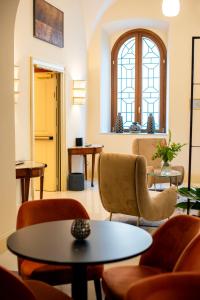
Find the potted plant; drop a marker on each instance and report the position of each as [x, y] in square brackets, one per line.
[193, 198]
[167, 152]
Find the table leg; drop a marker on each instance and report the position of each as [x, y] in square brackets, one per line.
[27, 183]
[22, 190]
[85, 162]
[155, 183]
[69, 162]
[93, 164]
[79, 282]
[41, 186]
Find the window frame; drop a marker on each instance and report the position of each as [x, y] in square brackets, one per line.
[138, 34]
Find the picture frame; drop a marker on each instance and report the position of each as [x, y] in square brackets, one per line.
[48, 23]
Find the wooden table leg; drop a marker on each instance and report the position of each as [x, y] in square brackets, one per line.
[69, 162]
[41, 186]
[22, 190]
[93, 164]
[85, 161]
[27, 183]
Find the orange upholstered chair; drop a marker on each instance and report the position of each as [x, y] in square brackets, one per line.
[13, 287]
[39, 211]
[189, 259]
[174, 286]
[169, 242]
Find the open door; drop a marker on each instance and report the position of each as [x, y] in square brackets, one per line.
[46, 126]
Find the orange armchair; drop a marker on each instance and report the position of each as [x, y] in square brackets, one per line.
[169, 242]
[39, 211]
[12, 287]
[184, 286]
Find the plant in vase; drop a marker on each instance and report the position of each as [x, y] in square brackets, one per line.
[167, 152]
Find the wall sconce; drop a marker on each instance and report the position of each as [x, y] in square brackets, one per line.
[16, 83]
[170, 8]
[79, 92]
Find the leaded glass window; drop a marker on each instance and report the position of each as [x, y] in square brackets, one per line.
[138, 79]
[126, 82]
[150, 82]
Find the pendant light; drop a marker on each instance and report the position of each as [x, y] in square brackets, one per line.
[171, 8]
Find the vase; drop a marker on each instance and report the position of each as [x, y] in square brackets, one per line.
[166, 168]
[150, 124]
[119, 124]
[80, 229]
[135, 127]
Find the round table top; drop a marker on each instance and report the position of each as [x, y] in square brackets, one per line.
[170, 173]
[29, 164]
[52, 242]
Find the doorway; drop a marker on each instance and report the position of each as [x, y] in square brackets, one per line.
[48, 125]
[46, 133]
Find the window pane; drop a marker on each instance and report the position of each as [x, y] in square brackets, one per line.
[150, 82]
[126, 82]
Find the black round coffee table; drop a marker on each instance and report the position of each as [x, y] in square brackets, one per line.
[53, 243]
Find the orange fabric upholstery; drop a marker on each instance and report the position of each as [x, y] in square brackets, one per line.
[169, 242]
[174, 286]
[38, 211]
[189, 260]
[12, 287]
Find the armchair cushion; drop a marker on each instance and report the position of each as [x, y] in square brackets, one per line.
[176, 237]
[184, 286]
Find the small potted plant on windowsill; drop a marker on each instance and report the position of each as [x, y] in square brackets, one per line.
[167, 152]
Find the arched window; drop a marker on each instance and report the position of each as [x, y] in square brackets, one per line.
[138, 79]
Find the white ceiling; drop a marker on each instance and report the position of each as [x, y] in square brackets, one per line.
[92, 12]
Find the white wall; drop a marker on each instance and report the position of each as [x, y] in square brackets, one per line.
[7, 148]
[177, 34]
[73, 57]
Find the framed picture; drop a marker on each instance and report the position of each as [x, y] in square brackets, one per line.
[48, 23]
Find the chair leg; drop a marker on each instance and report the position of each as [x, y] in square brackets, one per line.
[97, 285]
[138, 221]
[110, 217]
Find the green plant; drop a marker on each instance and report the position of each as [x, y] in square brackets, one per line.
[193, 196]
[167, 152]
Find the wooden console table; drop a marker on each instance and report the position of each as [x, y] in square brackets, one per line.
[27, 170]
[85, 150]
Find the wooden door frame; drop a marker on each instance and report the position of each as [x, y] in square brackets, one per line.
[61, 70]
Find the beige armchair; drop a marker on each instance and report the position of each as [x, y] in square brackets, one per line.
[123, 188]
[146, 147]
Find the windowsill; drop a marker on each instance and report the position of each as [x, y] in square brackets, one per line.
[135, 133]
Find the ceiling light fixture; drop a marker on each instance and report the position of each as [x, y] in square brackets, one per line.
[170, 8]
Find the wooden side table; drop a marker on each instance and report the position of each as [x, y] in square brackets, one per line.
[27, 170]
[84, 150]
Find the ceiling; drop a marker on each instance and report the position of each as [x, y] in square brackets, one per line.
[92, 12]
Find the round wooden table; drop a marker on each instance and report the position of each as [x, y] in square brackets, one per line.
[53, 243]
[27, 170]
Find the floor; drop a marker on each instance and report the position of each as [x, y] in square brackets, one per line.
[91, 201]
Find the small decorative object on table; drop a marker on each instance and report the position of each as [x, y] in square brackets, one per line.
[150, 124]
[119, 124]
[135, 127]
[167, 152]
[80, 229]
